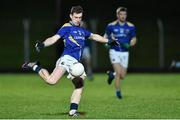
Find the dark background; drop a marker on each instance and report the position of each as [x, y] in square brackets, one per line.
[46, 16]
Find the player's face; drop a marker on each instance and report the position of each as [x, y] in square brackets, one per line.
[122, 15]
[76, 18]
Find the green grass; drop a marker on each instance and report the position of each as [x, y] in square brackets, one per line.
[145, 96]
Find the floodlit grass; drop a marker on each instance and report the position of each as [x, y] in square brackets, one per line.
[144, 96]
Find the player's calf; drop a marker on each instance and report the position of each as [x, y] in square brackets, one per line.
[76, 96]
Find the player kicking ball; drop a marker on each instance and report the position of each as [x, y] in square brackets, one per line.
[74, 36]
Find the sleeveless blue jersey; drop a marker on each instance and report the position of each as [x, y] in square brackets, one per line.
[123, 33]
[74, 38]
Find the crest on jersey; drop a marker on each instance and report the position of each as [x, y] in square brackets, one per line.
[115, 30]
[121, 30]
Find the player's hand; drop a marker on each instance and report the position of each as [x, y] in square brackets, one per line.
[39, 45]
[113, 41]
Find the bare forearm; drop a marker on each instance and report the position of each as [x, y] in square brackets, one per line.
[51, 40]
[98, 38]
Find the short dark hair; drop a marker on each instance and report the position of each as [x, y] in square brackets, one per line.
[76, 9]
[119, 9]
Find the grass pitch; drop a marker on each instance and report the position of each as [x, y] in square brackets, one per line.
[144, 96]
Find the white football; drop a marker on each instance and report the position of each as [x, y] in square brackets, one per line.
[77, 69]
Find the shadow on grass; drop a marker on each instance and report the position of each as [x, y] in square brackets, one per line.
[63, 113]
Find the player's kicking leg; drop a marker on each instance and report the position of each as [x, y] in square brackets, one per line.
[55, 76]
[48, 78]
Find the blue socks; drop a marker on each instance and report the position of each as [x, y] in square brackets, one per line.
[73, 106]
[118, 94]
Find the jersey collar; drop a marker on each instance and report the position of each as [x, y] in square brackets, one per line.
[121, 24]
[74, 24]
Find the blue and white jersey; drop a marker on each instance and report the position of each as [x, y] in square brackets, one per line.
[123, 33]
[74, 38]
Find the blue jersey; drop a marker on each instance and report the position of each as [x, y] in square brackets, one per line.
[74, 38]
[87, 43]
[123, 33]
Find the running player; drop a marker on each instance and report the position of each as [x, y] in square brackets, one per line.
[125, 34]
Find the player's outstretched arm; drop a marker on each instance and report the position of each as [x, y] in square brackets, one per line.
[101, 39]
[49, 41]
[98, 38]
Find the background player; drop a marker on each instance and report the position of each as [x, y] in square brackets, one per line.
[124, 32]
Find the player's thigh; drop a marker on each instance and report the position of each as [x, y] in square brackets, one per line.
[124, 59]
[123, 71]
[57, 73]
[117, 68]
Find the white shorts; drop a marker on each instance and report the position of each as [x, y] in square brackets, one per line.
[67, 61]
[119, 57]
[86, 53]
